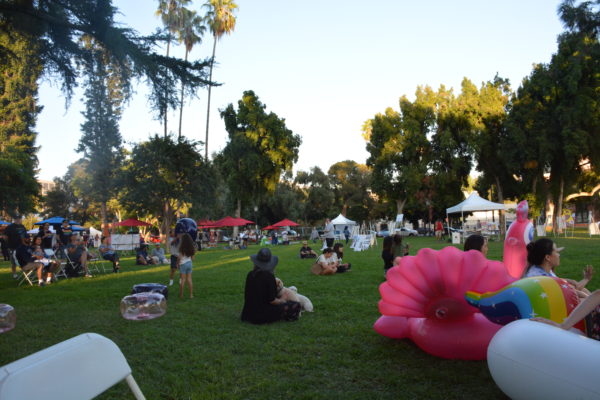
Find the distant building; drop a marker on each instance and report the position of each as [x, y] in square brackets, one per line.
[46, 186]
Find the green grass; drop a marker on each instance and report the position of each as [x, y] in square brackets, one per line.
[201, 350]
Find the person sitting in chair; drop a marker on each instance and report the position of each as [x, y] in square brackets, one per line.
[78, 254]
[108, 253]
[306, 251]
[49, 266]
[26, 260]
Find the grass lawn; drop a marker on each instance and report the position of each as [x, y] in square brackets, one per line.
[201, 350]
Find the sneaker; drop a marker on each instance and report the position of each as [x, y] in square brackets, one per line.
[87, 276]
[15, 276]
[41, 284]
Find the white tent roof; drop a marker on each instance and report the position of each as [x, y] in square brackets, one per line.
[341, 220]
[475, 203]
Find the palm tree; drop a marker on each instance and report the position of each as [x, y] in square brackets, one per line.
[169, 12]
[221, 21]
[192, 28]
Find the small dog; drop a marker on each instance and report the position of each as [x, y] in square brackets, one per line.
[291, 294]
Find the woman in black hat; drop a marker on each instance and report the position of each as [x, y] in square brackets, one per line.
[261, 304]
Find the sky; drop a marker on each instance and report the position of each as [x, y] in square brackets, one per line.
[325, 66]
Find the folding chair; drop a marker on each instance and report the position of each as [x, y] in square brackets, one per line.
[76, 265]
[96, 261]
[94, 362]
[27, 275]
[60, 273]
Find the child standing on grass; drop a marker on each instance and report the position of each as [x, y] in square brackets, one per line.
[184, 261]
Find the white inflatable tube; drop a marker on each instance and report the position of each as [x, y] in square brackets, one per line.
[531, 360]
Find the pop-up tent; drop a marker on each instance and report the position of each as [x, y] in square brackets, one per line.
[340, 222]
[474, 203]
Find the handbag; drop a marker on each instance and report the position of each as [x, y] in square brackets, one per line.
[316, 269]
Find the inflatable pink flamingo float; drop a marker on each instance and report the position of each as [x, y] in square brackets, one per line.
[423, 297]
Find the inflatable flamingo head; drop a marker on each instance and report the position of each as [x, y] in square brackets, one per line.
[518, 236]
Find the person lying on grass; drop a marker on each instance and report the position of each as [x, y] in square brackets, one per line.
[261, 304]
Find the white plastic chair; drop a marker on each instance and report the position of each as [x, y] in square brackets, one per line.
[94, 362]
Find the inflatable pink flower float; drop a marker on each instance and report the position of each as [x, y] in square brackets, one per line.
[423, 297]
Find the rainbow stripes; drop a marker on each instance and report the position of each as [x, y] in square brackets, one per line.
[539, 296]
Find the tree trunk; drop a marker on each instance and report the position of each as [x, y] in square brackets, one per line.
[181, 103]
[556, 228]
[103, 216]
[400, 206]
[167, 107]
[212, 61]
[502, 215]
[238, 212]
[167, 213]
[344, 209]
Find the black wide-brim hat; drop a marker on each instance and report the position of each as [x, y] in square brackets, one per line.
[265, 260]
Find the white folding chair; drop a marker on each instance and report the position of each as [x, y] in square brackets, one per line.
[26, 275]
[60, 273]
[74, 264]
[94, 362]
[95, 261]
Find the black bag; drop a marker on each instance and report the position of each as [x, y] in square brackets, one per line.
[152, 288]
[73, 270]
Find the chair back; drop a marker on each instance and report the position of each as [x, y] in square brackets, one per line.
[94, 364]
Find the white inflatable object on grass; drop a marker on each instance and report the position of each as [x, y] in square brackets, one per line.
[532, 360]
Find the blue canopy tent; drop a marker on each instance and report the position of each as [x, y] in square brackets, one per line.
[4, 223]
[55, 221]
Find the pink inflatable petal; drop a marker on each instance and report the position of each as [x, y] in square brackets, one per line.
[392, 327]
[412, 275]
[390, 309]
[396, 280]
[453, 263]
[428, 265]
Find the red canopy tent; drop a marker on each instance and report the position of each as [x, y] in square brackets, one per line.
[285, 222]
[266, 228]
[206, 223]
[132, 222]
[230, 221]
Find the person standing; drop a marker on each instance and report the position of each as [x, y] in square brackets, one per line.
[46, 235]
[346, 234]
[439, 230]
[187, 249]
[15, 233]
[174, 251]
[314, 235]
[329, 233]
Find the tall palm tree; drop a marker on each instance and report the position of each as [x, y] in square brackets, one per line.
[192, 28]
[169, 12]
[221, 20]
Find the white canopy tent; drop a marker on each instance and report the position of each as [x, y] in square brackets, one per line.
[340, 222]
[473, 203]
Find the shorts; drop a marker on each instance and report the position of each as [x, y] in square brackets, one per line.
[185, 268]
[173, 262]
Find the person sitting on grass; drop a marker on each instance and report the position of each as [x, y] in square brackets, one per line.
[158, 253]
[26, 260]
[589, 309]
[108, 253]
[328, 261]
[142, 257]
[338, 249]
[78, 254]
[544, 257]
[261, 304]
[476, 242]
[306, 251]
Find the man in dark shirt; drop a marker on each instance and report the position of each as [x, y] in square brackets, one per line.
[24, 255]
[15, 232]
[64, 233]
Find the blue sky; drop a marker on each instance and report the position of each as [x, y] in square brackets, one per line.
[326, 66]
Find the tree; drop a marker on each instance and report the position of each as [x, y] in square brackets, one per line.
[221, 20]
[53, 29]
[318, 198]
[259, 150]
[101, 141]
[170, 12]
[18, 111]
[351, 184]
[190, 33]
[161, 177]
